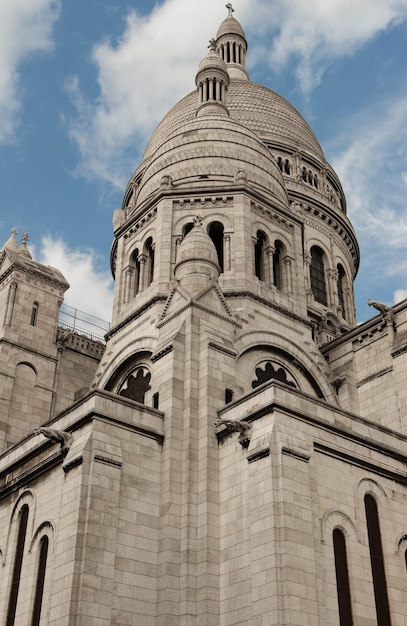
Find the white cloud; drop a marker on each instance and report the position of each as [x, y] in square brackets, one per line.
[91, 287]
[371, 168]
[399, 295]
[314, 32]
[154, 63]
[25, 29]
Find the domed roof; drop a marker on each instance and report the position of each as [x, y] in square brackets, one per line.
[210, 150]
[197, 246]
[260, 109]
[230, 26]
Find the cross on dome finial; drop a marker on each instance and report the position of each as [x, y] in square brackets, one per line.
[197, 220]
[230, 9]
[24, 239]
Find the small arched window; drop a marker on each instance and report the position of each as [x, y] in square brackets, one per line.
[187, 229]
[342, 578]
[304, 175]
[34, 314]
[215, 232]
[377, 562]
[341, 289]
[287, 167]
[280, 163]
[39, 586]
[135, 263]
[278, 265]
[317, 275]
[260, 255]
[18, 563]
[316, 181]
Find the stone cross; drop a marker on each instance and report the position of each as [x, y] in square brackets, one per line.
[230, 9]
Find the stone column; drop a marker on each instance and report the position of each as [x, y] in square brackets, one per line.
[10, 303]
[269, 265]
[227, 252]
[142, 278]
[287, 283]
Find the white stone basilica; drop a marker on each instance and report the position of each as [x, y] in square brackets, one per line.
[236, 453]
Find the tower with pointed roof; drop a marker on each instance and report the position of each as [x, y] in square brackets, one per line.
[239, 454]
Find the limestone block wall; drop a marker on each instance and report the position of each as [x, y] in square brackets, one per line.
[369, 368]
[99, 506]
[305, 473]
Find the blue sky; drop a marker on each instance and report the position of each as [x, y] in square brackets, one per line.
[84, 83]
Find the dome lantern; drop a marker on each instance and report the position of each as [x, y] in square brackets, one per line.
[232, 46]
[212, 81]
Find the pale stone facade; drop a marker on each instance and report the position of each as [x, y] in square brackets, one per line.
[215, 462]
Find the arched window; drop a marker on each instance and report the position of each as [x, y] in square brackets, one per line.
[342, 578]
[187, 229]
[136, 385]
[149, 253]
[287, 167]
[341, 287]
[34, 314]
[18, 562]
[377, 562]
[278, 265]
[317, 275]
[260, 255]
[215, 232]
[39, 586]
[135, 262]
[304, 174]
[280, 163]
[316, 181]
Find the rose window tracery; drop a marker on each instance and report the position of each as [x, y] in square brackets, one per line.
[272, 371]
[136, 385]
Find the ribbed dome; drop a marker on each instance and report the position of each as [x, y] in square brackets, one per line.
[258, 108]
[230, 26]
[211, 151]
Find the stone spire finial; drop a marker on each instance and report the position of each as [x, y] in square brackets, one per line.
[230, 9]
[212, 44]
[11, 243]
[23, 247]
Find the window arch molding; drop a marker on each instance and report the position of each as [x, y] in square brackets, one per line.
[319, 271]
[372, 487]
[40, 568]
[261, 238]
[127, 372]
[28, 498]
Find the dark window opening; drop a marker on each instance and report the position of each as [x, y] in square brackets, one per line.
[156, 400]
[34, 314]
[342, 579]
[149, 248]
[259, 255]
[18, 562]
[215, 232]
[277, 265]
[39, 587]
[272, 372]
[136, 269]
[316, 181]
[304, 174]
[377, 562]
[137, 386]
[340, 284]
[187, 229]
[228, 396]
[280, 163]
[317, 275]
[287, 167]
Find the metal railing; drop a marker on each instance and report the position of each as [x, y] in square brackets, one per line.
[83, 323]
